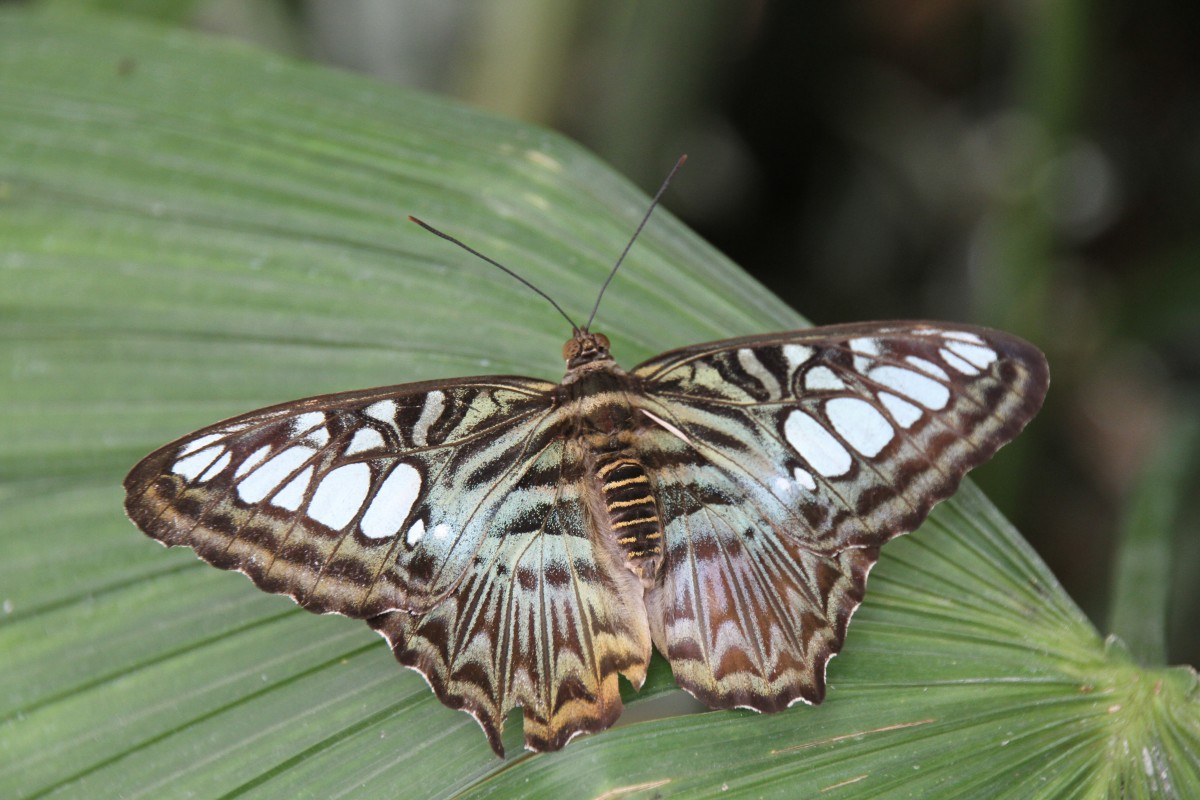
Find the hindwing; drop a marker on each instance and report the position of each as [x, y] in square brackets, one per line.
[546, 617]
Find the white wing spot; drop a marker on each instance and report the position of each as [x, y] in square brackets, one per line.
[755, 369]
[217, 468]
[804, 478]
[860, 424]
[976, 354]
[435, 403]
[292, 495]
[252, 460]
[191, 466]
[391, 504]
[197, 444]
[820, 379]
[866, 352]
[816, 445]
[262, 481]
[904, 412]
[416, 533]
[364, 439]
[306, 422]
[384, 411]
[925, 391]
[796, 354]
[340, 495]
[441, 531]
[928, 366]
[962, 336]
[958, 364]
[318, 437]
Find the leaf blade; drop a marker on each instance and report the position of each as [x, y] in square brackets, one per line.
[217, 230]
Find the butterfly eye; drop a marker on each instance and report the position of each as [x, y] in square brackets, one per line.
[585, 347]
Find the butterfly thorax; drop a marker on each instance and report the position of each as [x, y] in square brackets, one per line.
[598, 392]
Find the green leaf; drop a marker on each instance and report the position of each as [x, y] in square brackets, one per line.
[1141, 581]
[192, 229]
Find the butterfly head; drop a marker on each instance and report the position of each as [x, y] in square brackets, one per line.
[584, 347]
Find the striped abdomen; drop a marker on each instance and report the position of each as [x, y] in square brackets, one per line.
[632, 511]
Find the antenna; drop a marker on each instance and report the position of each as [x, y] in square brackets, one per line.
[575, 328]
[653, 203]
[497, 264]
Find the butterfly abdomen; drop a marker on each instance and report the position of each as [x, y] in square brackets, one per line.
[632, 510]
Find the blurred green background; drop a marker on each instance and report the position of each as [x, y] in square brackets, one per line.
[1032, 166]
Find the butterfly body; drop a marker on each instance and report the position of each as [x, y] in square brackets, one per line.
[608, 427]
[524, 543]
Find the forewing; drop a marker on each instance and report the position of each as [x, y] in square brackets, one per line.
[782, 463]
[356, 503]
[546, 617]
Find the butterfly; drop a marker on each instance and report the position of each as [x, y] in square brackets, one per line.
[523, 543]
